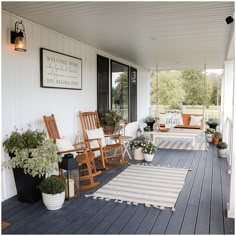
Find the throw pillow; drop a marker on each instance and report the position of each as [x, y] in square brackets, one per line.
[179, 119]
[195, 121]
[96, 134]
[64, 144]
[162, 118]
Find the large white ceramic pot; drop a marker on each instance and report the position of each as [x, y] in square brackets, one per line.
[222, 152]
[209, 138]
[138, 154]
[53, 201]
[148, 157]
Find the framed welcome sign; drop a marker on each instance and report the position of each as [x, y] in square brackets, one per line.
[58, 70]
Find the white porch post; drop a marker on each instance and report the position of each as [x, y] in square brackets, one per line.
[228, 126]
[227, 98]
[231, 204]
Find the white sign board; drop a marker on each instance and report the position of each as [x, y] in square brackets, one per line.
[59, 70]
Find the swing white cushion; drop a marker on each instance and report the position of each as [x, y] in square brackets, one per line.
[195, 121]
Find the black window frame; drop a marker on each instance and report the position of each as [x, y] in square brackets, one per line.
[132, 116]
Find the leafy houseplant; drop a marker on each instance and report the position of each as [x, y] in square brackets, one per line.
[149, 150]
[108, 121]
[222, 149]
[209, 132]
[212, 123]
[32, 157]
[150, 120]
[216, 137]
[53, 192]
[137, 145]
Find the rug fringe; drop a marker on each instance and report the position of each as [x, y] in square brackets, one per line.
[127, 202]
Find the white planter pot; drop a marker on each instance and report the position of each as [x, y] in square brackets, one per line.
[222, 152]
[53, 202]
[138, 154]
[148, 157]
[209, 138]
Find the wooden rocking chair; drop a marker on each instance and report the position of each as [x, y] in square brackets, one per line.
[90, 121]
[86, 157]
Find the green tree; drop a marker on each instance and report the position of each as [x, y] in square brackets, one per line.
[120, 90]
[167, 89]
[194, 86]
[214, 88]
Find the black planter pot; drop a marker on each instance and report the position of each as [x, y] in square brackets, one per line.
[212, 126]
[27, 186]
[150, 124]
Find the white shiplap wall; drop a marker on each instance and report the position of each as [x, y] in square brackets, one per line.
[24, 102]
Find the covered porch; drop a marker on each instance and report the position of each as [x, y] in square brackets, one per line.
[141, 36]
[200, 208]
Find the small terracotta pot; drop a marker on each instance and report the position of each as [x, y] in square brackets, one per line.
[108, 129]
[215, 140]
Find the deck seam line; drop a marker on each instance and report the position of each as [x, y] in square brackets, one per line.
[190, 191]
[200, 194]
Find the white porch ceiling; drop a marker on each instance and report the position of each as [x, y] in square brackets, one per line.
[172, 35]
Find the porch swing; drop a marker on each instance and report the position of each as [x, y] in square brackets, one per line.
[173, 121]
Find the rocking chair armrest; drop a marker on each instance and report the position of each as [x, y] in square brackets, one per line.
[113, 135]
[92, 139]
[74, 150]
[80, 143]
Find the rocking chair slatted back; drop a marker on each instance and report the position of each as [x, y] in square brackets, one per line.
[89, 121]
[51, 126]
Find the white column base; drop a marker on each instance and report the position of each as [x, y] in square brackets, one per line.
[230, 212]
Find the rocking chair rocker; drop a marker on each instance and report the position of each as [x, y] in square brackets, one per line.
[85, 156]
[89, 122]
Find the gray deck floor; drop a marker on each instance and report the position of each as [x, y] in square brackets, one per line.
[200, 208]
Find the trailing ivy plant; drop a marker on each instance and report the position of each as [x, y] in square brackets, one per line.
[31, 151]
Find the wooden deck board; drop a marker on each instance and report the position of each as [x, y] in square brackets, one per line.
[176, 219]
[203, 218]
[122, 220]
[188, 225]
[148, 221]
[228, 223]
[200, 207]
[216, 222]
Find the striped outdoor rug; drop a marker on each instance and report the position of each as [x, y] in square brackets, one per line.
[153, 186]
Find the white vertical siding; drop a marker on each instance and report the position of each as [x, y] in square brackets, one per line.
[24, 102]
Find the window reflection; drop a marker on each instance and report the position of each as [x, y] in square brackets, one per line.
[120, 89]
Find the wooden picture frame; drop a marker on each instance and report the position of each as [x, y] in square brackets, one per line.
[58, 70]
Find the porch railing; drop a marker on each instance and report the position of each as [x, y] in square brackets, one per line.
[228, 138]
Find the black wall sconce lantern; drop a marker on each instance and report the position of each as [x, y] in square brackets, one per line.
[18, 37]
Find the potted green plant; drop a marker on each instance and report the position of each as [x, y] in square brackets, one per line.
[149, 150]
[109, 120]
[53, 192]
[150, 120]
[212, 123]
[222, 149]
[216, 137]
[209, 132]
[32, 157]
[137, 145]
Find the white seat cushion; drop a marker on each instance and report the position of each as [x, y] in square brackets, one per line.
[96, 134]
[64, 144]
[195, 121]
